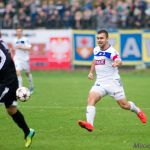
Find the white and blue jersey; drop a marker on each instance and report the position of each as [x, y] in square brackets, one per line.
[19, 53]
[103, 63]
[21, 57]
[108, 80]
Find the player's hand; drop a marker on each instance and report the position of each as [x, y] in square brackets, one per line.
[90, 76]
[19, 47]
[116, 63]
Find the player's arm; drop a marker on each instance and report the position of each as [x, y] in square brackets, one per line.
[24, 47]
[2, 59]
[116, 59]
[117, 62]
[91, 73]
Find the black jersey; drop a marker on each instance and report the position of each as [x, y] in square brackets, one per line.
[7, 68]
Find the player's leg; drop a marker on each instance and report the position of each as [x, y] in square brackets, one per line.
[30, 79]
[19, 76]
[116, 90]
[95, 94]
[18, 118]
[123, 103]
[29, 76]
[18, 66]
[93, 98]
[10, 102]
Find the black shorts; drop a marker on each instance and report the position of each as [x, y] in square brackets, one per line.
[8, 94]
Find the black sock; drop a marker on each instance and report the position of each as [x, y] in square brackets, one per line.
[20, 121]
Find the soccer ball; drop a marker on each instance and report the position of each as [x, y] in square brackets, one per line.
[23, 94]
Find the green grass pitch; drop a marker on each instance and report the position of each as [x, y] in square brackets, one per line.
[59, 101]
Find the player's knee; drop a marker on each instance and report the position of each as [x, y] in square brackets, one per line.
[124, 105]
[93, 98]
[27, 73]
[91, 102]
[11, 110]
[18, 73]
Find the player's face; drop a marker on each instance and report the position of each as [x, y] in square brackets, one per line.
[102, 40]
[19, 32]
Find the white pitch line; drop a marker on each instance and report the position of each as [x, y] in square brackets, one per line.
[61, 107]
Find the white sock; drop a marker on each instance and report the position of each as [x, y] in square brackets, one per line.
[133, 107]
[90, 114]
[30, 80]
[20, 80]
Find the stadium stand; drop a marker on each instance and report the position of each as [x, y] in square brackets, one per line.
[75, 14]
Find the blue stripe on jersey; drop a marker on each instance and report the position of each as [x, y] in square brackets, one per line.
[106, 54]
[22, 42]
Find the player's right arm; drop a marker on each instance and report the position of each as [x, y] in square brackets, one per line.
[26, 46]
[2, 59]
[91, 73]
[116, 59]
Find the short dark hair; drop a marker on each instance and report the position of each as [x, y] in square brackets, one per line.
[103, 31]
[19, 27]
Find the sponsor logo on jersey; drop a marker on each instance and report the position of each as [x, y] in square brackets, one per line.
[100, 62]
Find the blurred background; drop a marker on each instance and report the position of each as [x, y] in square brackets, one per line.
[62, 32]
[63, 35]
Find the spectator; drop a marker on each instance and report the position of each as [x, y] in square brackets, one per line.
[21, 17]
[78, 20]
[51, 7]
[7, 22]
[28, 24]
[75, 14]
[100, 18]
[54, 21]
[41, 18]
[147, 18]
[60, 7]
[67, 19]
[87, 19]
[138, 19]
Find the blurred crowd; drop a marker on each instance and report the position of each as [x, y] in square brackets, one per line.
[75, 14]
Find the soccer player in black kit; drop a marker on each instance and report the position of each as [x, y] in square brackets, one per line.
[8, 87]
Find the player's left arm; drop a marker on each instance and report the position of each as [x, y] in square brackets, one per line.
[116, 60]
[92, 69]
[3, 59]
[25, 47]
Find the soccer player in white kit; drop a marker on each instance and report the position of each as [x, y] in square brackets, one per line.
[21, 57]
[105, 64]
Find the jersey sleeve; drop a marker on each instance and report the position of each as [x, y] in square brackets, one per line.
[27, 43]
[114, 55]
[95, 51]
[2, 59]
[15, 43]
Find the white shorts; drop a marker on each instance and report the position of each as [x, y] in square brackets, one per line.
[113, 87]
[22, 65]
